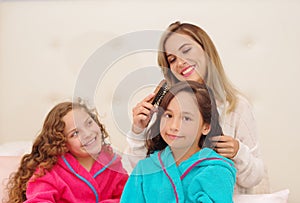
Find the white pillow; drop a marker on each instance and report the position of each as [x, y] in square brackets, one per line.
[276, 197]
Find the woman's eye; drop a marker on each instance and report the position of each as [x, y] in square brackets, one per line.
[186, 50]
[171, 59]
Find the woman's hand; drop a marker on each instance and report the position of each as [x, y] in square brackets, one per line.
[142, 114]
[226, 146]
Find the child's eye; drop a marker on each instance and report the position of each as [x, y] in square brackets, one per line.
[90, 121]
[167, 115]
[74, 134]
[186, 118]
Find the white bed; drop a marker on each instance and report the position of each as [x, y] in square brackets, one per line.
[11, 153]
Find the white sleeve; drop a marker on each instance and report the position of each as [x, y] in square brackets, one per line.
[136, 141]
[250, 168]
[248, 160]
[136, 149]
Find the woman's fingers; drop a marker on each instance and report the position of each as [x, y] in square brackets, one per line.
[141, 110]
[225, 145]
[149, 98]
[142, 114]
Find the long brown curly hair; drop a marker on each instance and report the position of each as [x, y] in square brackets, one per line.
[47, 147]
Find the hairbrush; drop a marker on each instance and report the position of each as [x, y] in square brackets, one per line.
[160, 91]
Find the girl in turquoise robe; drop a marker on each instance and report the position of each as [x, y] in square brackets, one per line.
[181, 165]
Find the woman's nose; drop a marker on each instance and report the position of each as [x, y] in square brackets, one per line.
[181, 62]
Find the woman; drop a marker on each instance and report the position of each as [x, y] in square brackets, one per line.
[188, 53]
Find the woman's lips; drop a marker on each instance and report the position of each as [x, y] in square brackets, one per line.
[186, 72]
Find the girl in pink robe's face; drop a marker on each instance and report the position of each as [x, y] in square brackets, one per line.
[84, 136]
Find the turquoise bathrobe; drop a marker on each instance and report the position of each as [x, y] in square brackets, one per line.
[204, 177]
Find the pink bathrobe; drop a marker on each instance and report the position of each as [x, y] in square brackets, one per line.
[68, 181]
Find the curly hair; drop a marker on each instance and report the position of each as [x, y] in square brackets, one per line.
[47, 147]
[154, 140]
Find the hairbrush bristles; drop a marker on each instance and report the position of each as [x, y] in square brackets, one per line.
[160, 94]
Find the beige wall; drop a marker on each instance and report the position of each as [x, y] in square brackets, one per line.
[45, 44]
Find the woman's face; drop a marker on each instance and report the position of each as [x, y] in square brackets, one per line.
[84, 137]
[181, 125]
[186, 58]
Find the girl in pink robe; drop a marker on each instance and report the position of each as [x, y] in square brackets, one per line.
[70, 161]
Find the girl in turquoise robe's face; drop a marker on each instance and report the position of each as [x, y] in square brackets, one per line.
[182, 125]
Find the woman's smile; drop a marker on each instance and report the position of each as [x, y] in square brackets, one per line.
[187, 71]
